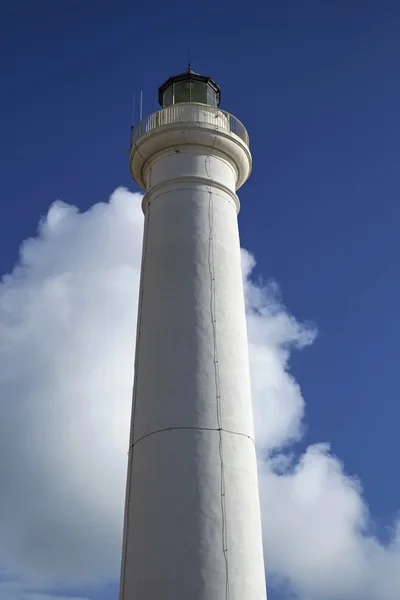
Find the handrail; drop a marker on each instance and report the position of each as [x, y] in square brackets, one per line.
[190, 112]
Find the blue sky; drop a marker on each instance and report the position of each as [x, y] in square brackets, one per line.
[316, 84]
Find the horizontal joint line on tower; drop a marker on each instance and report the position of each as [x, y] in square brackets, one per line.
[229, 194]
[218, 429]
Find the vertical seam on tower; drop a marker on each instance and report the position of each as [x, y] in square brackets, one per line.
[211, 265]
[134, 397]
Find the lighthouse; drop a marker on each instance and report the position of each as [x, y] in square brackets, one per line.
[192, 526]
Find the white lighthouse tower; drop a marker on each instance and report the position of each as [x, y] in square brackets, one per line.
[192, 526]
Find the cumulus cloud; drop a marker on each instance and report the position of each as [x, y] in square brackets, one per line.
[18, 591]
[315, 519]
[273, 334]
[67, 327]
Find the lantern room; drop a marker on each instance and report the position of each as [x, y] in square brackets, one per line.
[189, 87]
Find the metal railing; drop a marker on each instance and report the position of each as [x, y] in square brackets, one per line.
[190, 113]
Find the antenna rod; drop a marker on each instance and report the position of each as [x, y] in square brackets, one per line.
[133, 121]
[141, 105]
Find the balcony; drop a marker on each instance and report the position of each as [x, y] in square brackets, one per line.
[193, 113]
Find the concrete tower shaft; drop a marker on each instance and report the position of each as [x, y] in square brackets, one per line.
[192, 526]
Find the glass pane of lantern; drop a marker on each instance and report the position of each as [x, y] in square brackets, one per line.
[198, 92]
[181, 92]
[211, 96]
[167, 97]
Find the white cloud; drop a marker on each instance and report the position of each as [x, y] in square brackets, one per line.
[16, 590]
[316, 522]
[273, 334]
[67, 326]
